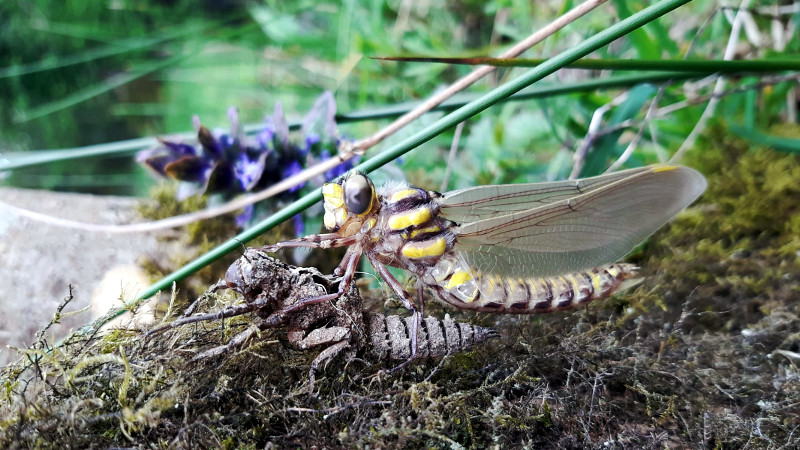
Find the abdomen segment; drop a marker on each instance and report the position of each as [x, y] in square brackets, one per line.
[389, 336]
[466, 289]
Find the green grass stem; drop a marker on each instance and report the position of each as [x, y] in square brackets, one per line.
[676, 65]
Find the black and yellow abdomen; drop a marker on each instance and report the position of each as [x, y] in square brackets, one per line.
[412, 236]
[458, 285]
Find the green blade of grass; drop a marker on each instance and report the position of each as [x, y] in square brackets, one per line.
[677, 65]
[117, 48]
[93, 91]
[461, 114]
[120, 80]
[34, 181]
[608, 147]
[779, 143]
[645, 46]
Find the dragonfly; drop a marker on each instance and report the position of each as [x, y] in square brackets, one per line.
[515, 248]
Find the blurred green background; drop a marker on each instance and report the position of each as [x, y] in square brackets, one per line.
[75, 73]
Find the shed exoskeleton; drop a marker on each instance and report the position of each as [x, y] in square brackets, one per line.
[340, 327]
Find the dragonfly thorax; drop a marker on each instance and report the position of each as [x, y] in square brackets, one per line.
[409, 232]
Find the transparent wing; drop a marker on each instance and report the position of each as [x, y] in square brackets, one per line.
[579, 232]
[483, 202]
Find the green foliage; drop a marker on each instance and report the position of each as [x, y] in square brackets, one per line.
[691, 358]
[256, 54]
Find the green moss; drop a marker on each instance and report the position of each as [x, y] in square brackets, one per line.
[739, 243]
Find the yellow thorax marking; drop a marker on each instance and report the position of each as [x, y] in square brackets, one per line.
[340, 215]
[414, 217]
[329, 221]
[405, 193]
[459, 277]
[334, 218]
[424, 249]
[333, 194]
[431, 229]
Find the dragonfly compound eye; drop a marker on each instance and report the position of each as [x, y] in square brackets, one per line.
[357, 194]
[239, 276]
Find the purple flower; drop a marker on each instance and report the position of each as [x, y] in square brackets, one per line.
[220, 161]
[291, 169]
[266, 135]
[311, 140]
[319, 125]
[299, 226]
[230, 162]
[281, 127]
[158, 158]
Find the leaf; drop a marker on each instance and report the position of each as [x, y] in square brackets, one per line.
[645, 46]
[781, 144]
[608, 147]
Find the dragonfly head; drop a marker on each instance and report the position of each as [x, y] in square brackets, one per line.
[246, 274]
[349, 203]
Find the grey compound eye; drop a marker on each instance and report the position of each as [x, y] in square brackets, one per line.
[357, 194]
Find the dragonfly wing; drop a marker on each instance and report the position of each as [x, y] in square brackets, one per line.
[583, 231]
[483, 202]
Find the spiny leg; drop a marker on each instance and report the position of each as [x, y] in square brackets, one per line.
[234, 344]
[350, 271]
[325, 240]
[420, 297]
[342, 267]
[230, 311]
[407, 303]
[214, 288]
[338, 337]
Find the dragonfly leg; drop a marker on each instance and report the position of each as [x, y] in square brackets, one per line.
[420, 297]
[230, 311]
[342, 267]
[408, 303]
[344, 285]
[220, 285]
[234, 344]
[323, 359]
[325, 240]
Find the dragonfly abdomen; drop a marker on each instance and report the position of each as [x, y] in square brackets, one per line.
[493, 293]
